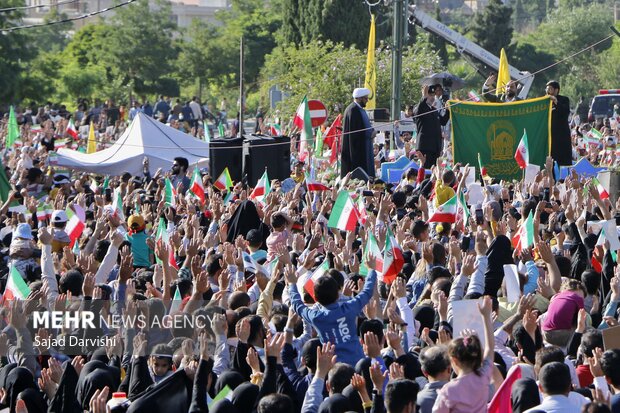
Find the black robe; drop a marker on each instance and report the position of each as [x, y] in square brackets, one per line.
[561, 146]
[357, 148]
[428, 123]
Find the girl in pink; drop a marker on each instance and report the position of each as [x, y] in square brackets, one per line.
[469, 392]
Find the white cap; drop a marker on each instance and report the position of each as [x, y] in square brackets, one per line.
[360, 92]
[59, 216]
[23, 231]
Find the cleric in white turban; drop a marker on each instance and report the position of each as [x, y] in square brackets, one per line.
[357, 136]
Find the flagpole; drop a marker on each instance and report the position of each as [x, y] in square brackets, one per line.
[241, 88]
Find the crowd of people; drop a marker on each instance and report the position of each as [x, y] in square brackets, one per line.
[238, 303]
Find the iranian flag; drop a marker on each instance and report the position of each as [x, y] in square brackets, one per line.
[163, 237]
[117, 204]
[315, 185]
[393, 260]
[306, 282]
[361, 209]
[473, 96]
[371, 248]
[196, 188]
[344, 215]
[524, 237]
[522, 155]
[483, 171]
[177, 300]
[44, 211]
[224, 181]
[225, 393]
[462, 207]
[303, 122]
[333, 132]
[602, 191]
[170, 194]
[445, 212]
[262, 188]
[71, 130]
[275, 130]
[16, 287]
[75, 224]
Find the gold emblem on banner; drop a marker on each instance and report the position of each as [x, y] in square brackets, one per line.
[501, 137]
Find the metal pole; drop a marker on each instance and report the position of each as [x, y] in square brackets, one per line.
[397, 46]
[241, 97]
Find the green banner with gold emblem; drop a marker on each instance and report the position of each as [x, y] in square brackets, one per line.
[494, 130]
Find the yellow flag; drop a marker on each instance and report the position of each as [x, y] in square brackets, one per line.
[503, 74]
[370, 81]
[92, 143]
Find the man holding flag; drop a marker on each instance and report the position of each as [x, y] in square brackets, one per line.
[357, 136]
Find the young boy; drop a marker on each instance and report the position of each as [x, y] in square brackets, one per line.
[335, 322]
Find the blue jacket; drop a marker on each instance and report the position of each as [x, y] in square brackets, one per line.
[336, 323]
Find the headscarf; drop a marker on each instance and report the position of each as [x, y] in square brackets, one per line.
[35, 403]
[4, 372]
[18, 380]
[94, 381]
[173, 394]
[223, 406]
[64, 400]
[243, 220]
[524, 395]
[230, 378]
[499, 253]
[245, 397]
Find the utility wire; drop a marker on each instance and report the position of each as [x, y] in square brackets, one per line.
[36, 6]
[392, 121]
[70, 19]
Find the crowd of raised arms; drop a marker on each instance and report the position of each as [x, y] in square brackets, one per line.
[241, 304]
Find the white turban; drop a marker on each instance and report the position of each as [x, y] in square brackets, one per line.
[360, 92]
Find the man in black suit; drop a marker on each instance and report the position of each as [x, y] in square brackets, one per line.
[357, 136]
[428, 121]
[561, 146]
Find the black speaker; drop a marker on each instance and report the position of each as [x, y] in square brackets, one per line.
[379, 115]
[226, 153]
[359, 173]
[273, 153]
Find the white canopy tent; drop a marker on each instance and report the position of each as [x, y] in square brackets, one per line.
[144, 137]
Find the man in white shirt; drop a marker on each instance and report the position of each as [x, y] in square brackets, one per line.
[555, 381]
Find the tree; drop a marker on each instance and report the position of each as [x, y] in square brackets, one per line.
[339, 21]
[329, 72]
[141, 46]
[520, 18]
[210, 54]
[15, 52]
[438, 42]
[492, 29]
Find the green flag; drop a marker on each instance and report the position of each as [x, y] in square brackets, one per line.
[13, 132]
[207, 134]
[493, 130]
[221, 130]
[5, 186]
[318, 143]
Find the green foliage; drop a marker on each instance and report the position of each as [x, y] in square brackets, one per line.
[14, 50]
[608, 69]
[520, 18]
[439, 43]
[338, 21]
[141, 48]
[492, 29]
[329, 72]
